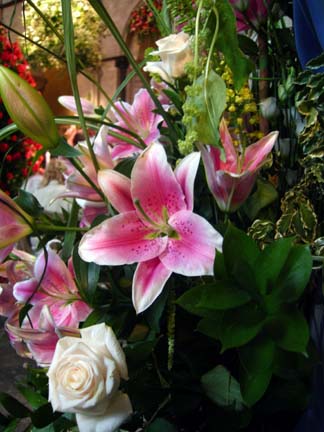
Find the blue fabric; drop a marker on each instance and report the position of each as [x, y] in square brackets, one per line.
[309, 29]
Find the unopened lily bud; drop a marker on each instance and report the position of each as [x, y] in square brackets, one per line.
[28, 109]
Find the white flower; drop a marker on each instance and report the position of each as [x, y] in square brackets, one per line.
[175, 51]
[84, 378]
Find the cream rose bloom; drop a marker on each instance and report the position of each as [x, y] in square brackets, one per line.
[84, 378]
[175, 51]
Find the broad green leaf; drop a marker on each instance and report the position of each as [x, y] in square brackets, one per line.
[44, 416]
[29, 203]
[219, 266]
[240, 325]
[256, 360]
[270, 262]
[211, 326]
[222, 388]
[264, 195]
[204, 106]
[64, 149]
[295, 274]
[218, 295]
[34, 398]
[254, 385]
[28, 109]
[227, 43]
[237, 246]
[289, 329]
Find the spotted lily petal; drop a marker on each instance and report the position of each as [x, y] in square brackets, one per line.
[122, 239]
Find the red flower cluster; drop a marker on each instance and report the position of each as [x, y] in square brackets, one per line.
[142, 21]
[17, 153]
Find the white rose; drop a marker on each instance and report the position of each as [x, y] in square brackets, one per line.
[84, 378]
[175, 51]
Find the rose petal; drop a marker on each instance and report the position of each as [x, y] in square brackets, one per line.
[149, 280]
[193, 253]
[117, 412]
[122, 239]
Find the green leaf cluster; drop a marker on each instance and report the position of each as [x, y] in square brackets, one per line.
[252, 305]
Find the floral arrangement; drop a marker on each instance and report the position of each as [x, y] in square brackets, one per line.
[182, 290]
[17, 153]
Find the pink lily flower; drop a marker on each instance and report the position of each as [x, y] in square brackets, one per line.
[156, 226]
[77, 186]
[139, 118]
[69, 103]
[39, 341]
[250, 13]
[231, 181]
[57, 290]
[15, 224]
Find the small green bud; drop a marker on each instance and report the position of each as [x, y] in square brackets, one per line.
[28, 109]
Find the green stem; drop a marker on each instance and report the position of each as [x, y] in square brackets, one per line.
[106, 18]
[43, 227]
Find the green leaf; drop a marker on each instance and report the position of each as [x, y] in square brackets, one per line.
[13, 406]
[270, 262]
[240, 325]
[138, 352]
[87, 276]
[240, 254]
[29, 203]
[211, 326]
[295, 274]
[289, 329]
[34, 398]
[237, 246]
[161, 425]
[12, 426]
[222, 388]
[256, 360]
[28, 109]
[204, 106]
[64, 149]
[219, 266]
[227, 43]
[218, 295]
[264, 195]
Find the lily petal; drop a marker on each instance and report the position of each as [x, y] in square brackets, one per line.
[155, 186]
[185, 174]
[122, 239]
[193, 254]
[256, 154]
[117, 189]
[149, 280]
[230, 153]
[69, 103]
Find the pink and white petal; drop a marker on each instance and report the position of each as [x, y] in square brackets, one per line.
[91, 210]
[57, 280]
[69, 103]
[185, 174]
[101, 149]
[118, 410]
[123, 113]
[193, 253]
[256, 154]
[227, 142]
[28, 290]
[122, 239]
[155, 186]
[146, 119]
[148, 283]
[117, 189]
[122, 150]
